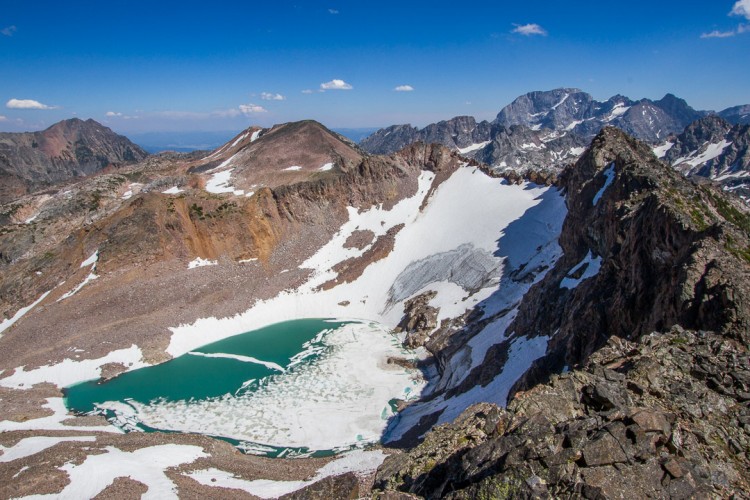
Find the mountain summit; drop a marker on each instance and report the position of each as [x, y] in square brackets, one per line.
[30, 161]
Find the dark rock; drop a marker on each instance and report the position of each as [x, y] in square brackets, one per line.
[345, 486]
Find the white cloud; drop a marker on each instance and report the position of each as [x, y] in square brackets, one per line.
[270, 96]
[27, 104]
[404, 88]
[741, 8]
[3, 118]
[10, 30]
[250, 109]
[333, 11]
[112, 114]
[335, 84]
[529, 29]
[308, 91]
[718, 34]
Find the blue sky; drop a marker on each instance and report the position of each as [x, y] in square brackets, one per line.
[140, 67]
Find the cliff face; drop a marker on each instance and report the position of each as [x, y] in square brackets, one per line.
[71, 148]
[644, 250]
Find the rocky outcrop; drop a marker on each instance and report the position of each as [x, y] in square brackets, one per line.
[419, 321]
[665, 417]
[71, 148]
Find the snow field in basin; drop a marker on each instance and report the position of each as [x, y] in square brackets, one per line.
[337, 401]
[468, 208]
[517, 225]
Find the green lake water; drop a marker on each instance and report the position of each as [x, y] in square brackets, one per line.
[221, 372]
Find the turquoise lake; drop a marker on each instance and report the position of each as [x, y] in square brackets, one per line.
[285, 389]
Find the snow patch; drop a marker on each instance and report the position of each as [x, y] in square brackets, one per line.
[53, 422]
[145, 465]
[293, 168]
[573, 125]
[661, 151]
[8, 322]
[577, 151]
[473, 147]
[255, 135]
[593, 265]
[219, 183]
[609, 175]
[69, 372]
[36, 444]
[712, 151]
[326, 167]
[360, 462]
[199, 262]
[173, 190]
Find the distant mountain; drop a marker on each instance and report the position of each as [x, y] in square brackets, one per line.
[71, 148]
[737, 114]
[715, 149]
[544, 130]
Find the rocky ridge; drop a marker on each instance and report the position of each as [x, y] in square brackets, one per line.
[645, 250]
[71, 148]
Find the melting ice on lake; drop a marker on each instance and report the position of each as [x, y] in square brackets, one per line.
[297, 387]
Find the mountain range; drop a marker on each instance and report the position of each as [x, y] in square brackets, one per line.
[582, 335]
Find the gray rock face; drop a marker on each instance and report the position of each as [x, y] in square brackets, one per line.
[456, 133]
[71, 148]
[576, 111]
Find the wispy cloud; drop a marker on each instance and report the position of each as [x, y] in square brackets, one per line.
[251, 109]
[335, 84]
[308, 91]
[270, 96]
[9, 30]
[404, 88]
[529, 29]
[741, 8]
[112, 114]
[718, 34]
[27, 104]
[3, 118]
[333, 11]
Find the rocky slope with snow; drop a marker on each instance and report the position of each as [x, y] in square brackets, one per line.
[71, 148]
[643, 250]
